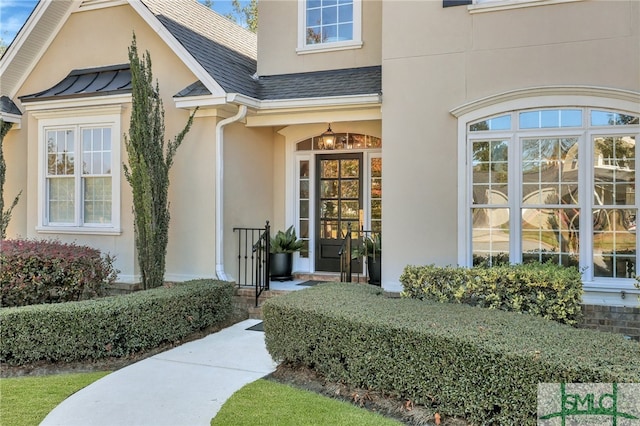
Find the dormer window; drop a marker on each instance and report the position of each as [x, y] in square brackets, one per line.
[329, 25]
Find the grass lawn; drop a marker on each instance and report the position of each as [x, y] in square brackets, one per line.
[26, 401]
[269, 403]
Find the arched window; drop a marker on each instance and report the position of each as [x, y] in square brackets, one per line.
[553, 184]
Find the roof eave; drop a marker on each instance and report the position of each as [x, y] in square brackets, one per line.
[12, 118]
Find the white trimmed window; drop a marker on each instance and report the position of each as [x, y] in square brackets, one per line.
[79, 174]
[329, 25]
[554, 184]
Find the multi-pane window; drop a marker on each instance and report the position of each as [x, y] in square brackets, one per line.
[329, 21]
[78, 188]
[376, 194]
[304, 201]
[555, 185]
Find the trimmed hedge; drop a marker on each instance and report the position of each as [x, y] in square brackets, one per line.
[480, 364]
[41, 271]
[548, 290]
[113, 326]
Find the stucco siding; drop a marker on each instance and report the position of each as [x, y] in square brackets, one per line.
[441, 58]
[278, 38]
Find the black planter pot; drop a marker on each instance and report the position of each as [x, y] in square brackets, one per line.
[280, 265]
[374, 267]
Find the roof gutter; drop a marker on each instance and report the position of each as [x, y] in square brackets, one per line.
[242, 112]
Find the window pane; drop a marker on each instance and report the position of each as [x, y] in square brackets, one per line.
[304, 208]
[606, 118]
[329, 229]
[329, 33]
[349, 209]
[614, 242]
[376, 167]
[550, 171]
[490, 235]
[345, 32]
[97, 200]
[329, 209]
[60, 152]
[350, 189]
[349, 168]
[304, 189]
[329, 168]
[551, 235]
[314, 35]
[304, 229]
[551, 118]
[345, 13]
[497, 123]
[304, 169]
[313, 17]
[61, 193]
[490, 174]
[614, 170]
[329, 15]
[329, 188]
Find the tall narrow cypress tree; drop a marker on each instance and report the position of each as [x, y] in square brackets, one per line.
[148, 171]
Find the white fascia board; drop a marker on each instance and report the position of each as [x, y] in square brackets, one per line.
[178, 48]
[30, 26]
[326, 102]
[77, 103]
[190, 102]
[12, 118]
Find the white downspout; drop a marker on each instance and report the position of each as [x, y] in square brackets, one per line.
[242, 112]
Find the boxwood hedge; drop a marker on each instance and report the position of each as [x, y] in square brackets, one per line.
[549, 290]
[113, 326]
[466, 361]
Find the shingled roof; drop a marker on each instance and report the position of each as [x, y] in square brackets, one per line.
[8, 107]
[342, 82]
[225, 50]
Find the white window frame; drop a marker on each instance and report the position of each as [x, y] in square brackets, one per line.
[598, 290]
[109, 116]
[355, 43]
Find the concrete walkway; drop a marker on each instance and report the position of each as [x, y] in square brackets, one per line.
[185, 386]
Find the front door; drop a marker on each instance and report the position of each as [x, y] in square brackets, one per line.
[339, 192]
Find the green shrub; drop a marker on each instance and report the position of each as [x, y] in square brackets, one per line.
[547, 290]
[33, 272]
[113, 326]
[480, 364]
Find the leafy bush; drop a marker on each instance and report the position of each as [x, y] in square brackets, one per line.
[548, 290]
[464, 361]
[113, 326]
[33, 272]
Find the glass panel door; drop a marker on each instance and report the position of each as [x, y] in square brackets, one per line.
[339, 192]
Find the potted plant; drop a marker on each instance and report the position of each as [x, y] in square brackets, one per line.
[283, 245]
[371, 248]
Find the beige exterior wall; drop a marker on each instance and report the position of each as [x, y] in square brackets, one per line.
[278, 41]
[14, 150]
[441, 58]
[248, 186]
[80, 44]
